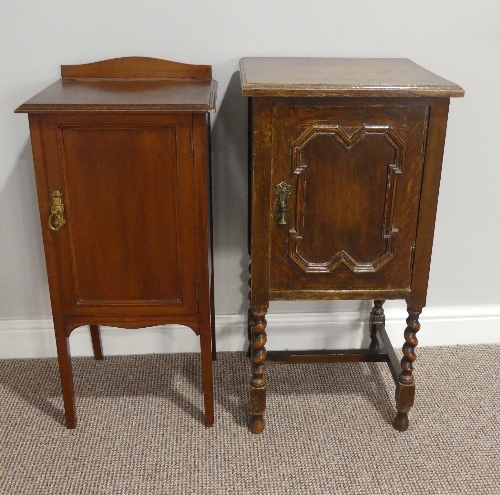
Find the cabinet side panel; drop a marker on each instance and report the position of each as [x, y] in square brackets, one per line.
[438, 119]
[202, 192]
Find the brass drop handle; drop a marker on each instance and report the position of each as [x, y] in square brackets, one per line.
[56, 218]
[283, 190]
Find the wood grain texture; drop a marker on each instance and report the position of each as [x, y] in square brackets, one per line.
[355, 170]
[129, 200]
[345, 159]
[136, 67]
[130, 159]
[71, 322]
[124, 95]
[348, 294]
[431, 179]
[391, 77]
[261, 130]
[51, 260]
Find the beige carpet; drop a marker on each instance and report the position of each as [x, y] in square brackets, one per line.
[328, 430]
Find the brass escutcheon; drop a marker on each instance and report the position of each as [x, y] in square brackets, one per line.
[56, 218]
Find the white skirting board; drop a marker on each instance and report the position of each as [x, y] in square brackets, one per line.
[439, 326]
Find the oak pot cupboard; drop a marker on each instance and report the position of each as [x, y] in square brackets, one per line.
[345, 158]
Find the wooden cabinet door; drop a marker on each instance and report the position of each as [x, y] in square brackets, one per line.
[354, 171]
[127, 187]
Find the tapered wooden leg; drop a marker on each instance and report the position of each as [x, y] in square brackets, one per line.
[258, 382]
[207, 374]
[405, 389]
[95, 334]
[66, 374]
[376, 318]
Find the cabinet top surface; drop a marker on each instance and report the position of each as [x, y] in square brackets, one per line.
[193, 95]
[369, 77]
[128, 84]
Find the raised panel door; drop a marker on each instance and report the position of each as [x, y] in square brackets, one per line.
[345, 193]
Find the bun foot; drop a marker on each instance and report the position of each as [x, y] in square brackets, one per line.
[257, 424]
[401, 422]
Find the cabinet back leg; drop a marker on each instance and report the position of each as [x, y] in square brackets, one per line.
[95, 334]
[377, 317]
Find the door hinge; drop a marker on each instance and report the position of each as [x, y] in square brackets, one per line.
[196, 288]
[192, 141]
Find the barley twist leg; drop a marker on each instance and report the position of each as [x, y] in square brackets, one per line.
[376, 317]
[258, 382]
[405, 391]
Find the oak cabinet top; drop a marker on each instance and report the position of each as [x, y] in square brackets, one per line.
[128, 84]
[369, 77]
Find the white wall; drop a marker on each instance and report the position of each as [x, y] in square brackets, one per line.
[459, 40]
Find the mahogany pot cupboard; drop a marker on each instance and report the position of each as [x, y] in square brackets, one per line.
[121, 154]
[345, 161]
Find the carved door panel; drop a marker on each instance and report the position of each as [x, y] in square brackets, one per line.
[129, 205]
[346, 186]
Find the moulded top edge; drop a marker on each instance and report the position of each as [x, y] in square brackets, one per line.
[268, 76]
[116, 95]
